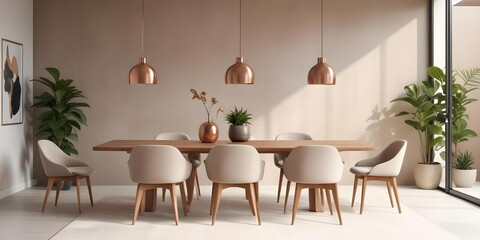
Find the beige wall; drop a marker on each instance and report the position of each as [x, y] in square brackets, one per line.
[376, 47]
[466, 55]
[16, 161]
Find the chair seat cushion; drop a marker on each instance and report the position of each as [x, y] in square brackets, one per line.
[279, 164]
[196, 163]
[360, 170]
[83, 171]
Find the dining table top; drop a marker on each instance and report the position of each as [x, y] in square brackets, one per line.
[262, 146]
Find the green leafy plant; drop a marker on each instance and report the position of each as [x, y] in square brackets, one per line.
[464, 161]
[238, 116]
[463, 83]
[64, 116]
[426, 116]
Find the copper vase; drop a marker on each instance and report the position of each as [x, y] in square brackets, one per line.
[208, 132]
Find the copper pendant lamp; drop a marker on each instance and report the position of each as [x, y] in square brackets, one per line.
[142, 73]
[321, 73]
[239, 72]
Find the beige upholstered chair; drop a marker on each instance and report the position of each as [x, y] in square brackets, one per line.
[234, 166]
[194, 158]
[314, 166]
[280, 157]
[59, 167]
[384, 167]
[158, 166]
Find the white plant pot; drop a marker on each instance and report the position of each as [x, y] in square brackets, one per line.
[464, 178]
[428, 176]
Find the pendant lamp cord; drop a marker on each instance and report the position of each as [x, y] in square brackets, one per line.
[143, 19]
[321, 29]
[240, 29]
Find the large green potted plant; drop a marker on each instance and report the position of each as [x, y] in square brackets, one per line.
[63, 114]
[463, 83]
[427, 117]
[239, 120]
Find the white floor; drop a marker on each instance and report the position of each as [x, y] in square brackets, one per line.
[426, 214]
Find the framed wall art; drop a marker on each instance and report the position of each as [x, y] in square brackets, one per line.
[12, 82]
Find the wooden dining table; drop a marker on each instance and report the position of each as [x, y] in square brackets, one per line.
[262, 146]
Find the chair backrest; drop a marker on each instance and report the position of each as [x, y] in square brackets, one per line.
[193, 157]
[390, 160]
[54, 160]
[277, 157]
[231, 163]
[314, 164]
[172, 136]
[158, 164]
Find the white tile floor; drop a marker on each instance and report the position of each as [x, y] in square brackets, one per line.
[20, 216]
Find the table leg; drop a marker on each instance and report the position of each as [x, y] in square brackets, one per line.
[191, 185]
[151, 200]
[314, 200]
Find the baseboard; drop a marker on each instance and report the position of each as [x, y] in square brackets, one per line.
[9, 191]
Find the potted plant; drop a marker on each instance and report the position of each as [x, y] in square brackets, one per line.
[239, 130]
[427, 118]
[464, 82]
[63, 115]
[464, 175]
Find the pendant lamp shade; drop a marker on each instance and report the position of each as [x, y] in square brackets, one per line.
[321, 73]
[239, 73]
[142, 73]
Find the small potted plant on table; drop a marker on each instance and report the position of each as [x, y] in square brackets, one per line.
[239, 130]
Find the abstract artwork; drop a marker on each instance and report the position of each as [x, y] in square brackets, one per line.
[12, 82]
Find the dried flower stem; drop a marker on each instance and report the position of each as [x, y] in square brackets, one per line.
[203, 98]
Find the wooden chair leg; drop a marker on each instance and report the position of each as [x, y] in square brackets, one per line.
[216, 203]
[257, 191]
[364, 189]
[322, 198]
[164, 190]
[255, 204]
[59, 188]
[387, 181]
[286, 197]
[184, 198]
[173, 197]
[250, 199]
[89, 185]
[395, 191]
[77, 180]
[296, 199]
[138, 200]
[214, 196]
[199, 194]
[142, 205]
[337, 203]
[49, 188]
[329, 200]
[280, 180]
[354, 189]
